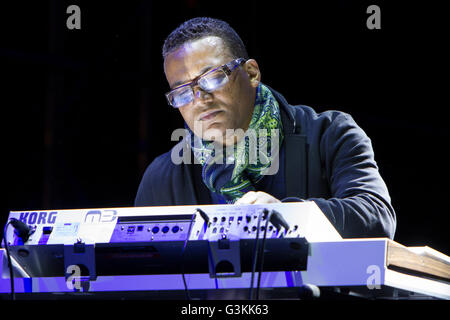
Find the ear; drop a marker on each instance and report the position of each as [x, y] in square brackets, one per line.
[252, 69]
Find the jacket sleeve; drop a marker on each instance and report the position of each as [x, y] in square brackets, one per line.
[360, 205]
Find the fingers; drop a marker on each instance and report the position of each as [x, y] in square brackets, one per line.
[257, 197]
[248, 198]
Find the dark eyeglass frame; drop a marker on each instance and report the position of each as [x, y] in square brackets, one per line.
[227, 68]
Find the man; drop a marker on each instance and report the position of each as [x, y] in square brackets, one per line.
[323, 157]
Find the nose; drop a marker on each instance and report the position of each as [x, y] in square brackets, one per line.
[200, 95]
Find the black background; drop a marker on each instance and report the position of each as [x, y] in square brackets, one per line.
[84, 112]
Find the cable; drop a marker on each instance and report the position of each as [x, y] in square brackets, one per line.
[262, 253]
[210, 255]
[186, 291]
[255, 254]
[11, 271]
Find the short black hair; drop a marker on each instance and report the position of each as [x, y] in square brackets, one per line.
[201, 27]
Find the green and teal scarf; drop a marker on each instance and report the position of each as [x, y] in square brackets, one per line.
[233, 175]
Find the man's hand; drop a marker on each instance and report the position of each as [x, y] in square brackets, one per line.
[257, 197]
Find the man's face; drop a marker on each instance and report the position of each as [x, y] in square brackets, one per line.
[209, 115]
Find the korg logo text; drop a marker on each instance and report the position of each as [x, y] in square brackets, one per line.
[42, 217]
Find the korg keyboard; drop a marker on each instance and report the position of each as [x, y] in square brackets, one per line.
[219, 239]
[214, 251]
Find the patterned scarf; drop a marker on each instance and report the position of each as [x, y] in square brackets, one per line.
[233, 171]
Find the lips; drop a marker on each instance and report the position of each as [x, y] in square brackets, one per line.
[209, 115]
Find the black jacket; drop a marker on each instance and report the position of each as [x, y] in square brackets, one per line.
[329, 160]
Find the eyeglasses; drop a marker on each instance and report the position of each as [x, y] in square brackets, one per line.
[209, 82]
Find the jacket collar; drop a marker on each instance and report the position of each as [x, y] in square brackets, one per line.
[290, 123]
